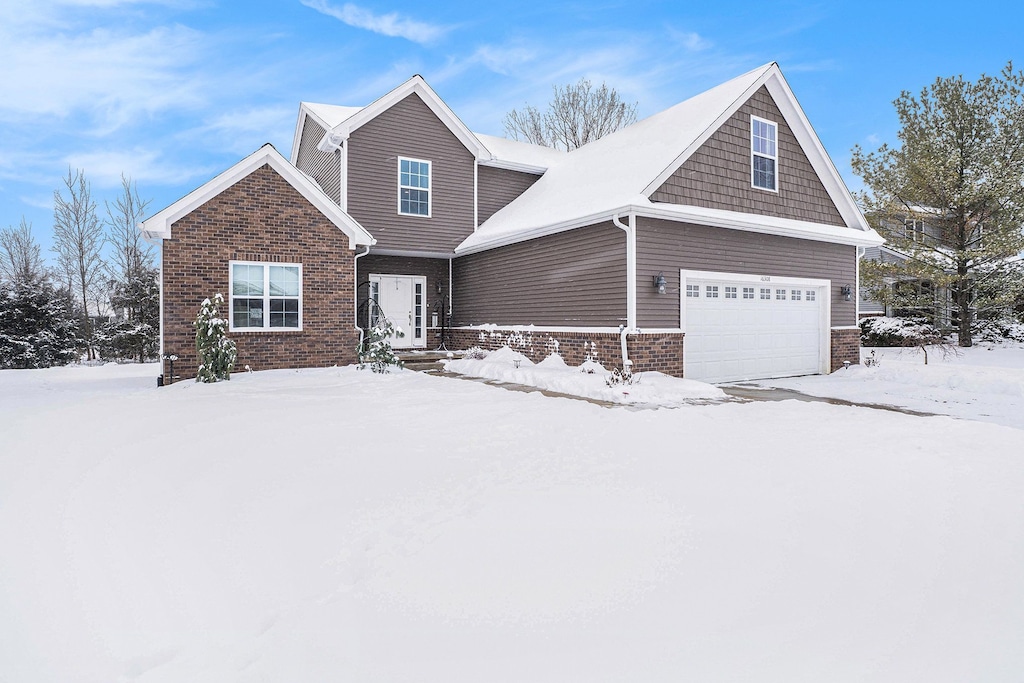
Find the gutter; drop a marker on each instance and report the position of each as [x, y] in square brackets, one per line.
[355, 299]
[630, 326]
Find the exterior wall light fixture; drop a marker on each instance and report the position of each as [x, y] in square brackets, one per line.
[847, 292]
[660, 282]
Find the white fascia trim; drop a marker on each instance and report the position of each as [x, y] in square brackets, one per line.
[417, 85]
[158, 226]
[667, 172]
[797, 121]
[300, 126]
[412, 254]
[815, 151]
[506, 239]
[515, 166]
[717, 218]
[770, 225]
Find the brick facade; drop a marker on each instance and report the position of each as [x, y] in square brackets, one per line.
[261, 218]
[845, 346]
[661, 352]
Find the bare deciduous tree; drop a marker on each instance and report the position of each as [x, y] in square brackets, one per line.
[20, 259]
[78, 241]
[576, 115]
[131, 255]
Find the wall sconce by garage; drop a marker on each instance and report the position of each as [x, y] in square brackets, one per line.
[660, 283]
[847, 292]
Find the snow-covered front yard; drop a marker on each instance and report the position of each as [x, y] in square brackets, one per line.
[336, 525]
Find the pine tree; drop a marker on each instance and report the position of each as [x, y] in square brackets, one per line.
[217, 353]
[957, 170]
[36, 330]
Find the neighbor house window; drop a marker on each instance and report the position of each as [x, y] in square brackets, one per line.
[266, 296]
[763, 154]
[413, 187]
[913, 230]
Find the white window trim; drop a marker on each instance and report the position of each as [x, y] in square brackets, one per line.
[266, 297]
[430, 188]
[774, 157]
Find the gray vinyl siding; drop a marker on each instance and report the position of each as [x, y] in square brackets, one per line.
[668, 247]
[323, 167]
[717, 175]
[574, 278]
[410, 129]
[498, 187]
[435, 270]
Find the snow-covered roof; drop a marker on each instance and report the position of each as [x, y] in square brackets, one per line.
[617, 173]
[519, 156]
[330, 115]
[158, 226]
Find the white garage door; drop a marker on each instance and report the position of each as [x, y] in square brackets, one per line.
[741, 327]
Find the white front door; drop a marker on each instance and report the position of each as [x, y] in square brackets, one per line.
[741, 327]
[402, 300]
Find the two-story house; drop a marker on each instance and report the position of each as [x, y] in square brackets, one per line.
[714, 240]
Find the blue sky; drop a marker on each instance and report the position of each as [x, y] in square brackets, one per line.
[171, 92]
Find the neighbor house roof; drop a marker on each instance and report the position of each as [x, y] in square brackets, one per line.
[158, 226]
[618, 173]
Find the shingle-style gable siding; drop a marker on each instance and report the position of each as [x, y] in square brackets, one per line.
[498, 187]
[322, 166]
[410, 129]
[574, 278]
[717, 175]
[261, 218]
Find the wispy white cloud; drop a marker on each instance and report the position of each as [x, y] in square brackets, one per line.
[690, 40]
[246, 130]
[391, 24]
[145, 165]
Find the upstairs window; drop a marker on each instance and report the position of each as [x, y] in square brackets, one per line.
[413, 187]
[265, 296]
[763, 154]
[913, 230]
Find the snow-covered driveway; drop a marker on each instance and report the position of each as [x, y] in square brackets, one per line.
[339, 525]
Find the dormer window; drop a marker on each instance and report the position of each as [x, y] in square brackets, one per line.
[763, 154]
[413, 187]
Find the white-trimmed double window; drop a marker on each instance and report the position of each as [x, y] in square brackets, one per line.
[764, 158]
[266, 296]
[413, 187]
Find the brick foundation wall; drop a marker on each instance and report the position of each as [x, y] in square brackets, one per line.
[261, 218]
[661, 352]
[845, 346]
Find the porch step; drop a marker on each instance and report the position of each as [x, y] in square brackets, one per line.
[425, 361]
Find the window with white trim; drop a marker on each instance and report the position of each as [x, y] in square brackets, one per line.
[811, 295]
[795, 295]
[763, 154]
[780, 294]
[766, 293]
[413, 187]
[748, 292]
[711, 291]
[692, 291]
[913, 230]
[265, 296]
[730, 292]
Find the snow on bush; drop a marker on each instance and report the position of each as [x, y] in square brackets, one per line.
[999, 330]
[886, 331]
[376, 351]
[475, 353]
[590, 380]
[217, 353]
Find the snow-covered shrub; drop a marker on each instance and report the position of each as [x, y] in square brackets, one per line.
[217, 353]
[999, 330]
[475, 353]
[885, 331]
[376, 351]
[121, 339]
[624, 377]
[36, 329]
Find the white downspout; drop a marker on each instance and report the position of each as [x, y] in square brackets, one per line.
[355, 299]
[630, 326]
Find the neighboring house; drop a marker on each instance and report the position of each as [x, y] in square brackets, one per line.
[714, 240]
